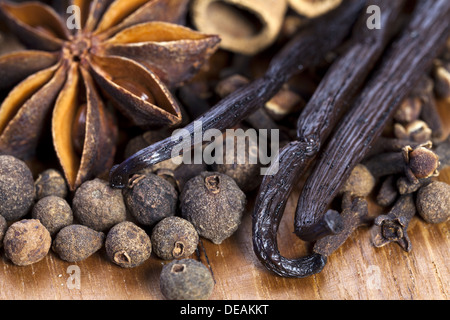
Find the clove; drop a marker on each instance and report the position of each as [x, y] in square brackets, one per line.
[393, 226]
[354, 215]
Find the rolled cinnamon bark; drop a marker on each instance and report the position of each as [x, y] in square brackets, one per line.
[245, 26]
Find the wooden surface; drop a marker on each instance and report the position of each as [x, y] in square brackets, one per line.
[356, 271]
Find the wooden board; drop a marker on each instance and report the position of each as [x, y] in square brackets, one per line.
[356, 271]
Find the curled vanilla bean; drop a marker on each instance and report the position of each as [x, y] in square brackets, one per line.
[315, 123]
[305, 50]
[407, 60]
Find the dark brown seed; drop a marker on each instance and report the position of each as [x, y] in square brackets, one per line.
[186, 279]
[50, 183]
[16, 188]
[360, 183]
[98, 206]
[150, 198]
[26, 242]
[433, 202]
[54, 213]
[127, 245]
[388, 192]
[174, 238]
[77, 242]
[214, 204]
[423, 162]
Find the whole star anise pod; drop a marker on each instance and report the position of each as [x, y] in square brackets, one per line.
[129, 52]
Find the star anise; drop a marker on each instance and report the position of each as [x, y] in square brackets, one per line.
[129, 52]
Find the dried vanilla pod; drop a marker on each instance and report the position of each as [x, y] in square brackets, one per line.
[98, 206]
[50, 183]
[26, 242]
[150, 198]
[186, 279]
[53, 212]
[77, 242]
[174, 238]
[16, 188]
[214, 204]
[127, 245]
[433, 202]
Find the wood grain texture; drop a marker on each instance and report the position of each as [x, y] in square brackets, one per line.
[356, 271]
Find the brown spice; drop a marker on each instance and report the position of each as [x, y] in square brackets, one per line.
[16, 188]
[186, 279]
[77, 242]
[54, 213]
[26, 242]
[50, 183]
[98, 206]
[150, 198]
[214, 204]
[433, 202]
[127, 245]
[174, 238]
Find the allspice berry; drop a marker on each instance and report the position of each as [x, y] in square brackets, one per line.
[360, 183]
[50, 183]
[214, 204]
[16, 188]
[127, 245]
[98, 206]
[150, 198]
[174, 238]
[186, 279]
[26, 242]
[53, 212]
[433, 202]
[77, 242]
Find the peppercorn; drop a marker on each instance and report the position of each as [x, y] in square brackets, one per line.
[127, 245]
[50, 183]
[16, 188]
[3, 228]
[174, 238]
[54, 213]
[26, 242]
[98, 206]
[186, 279]
[150, 198]
[360, 182]
[214, 204]
[433, 202]
[77, 242]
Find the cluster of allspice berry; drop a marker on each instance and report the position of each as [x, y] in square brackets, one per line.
[163, 211]
[405, 162]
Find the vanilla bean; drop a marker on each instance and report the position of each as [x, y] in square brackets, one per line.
[410, 56]
[315, 123]
[305, 50]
